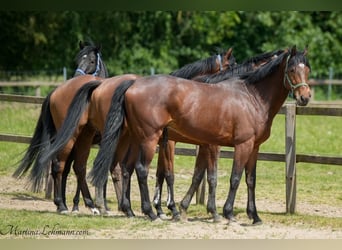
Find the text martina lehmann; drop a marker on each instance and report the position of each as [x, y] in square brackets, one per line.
[47, 230]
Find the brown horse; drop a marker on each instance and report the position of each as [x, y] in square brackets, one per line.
[88, 62]
[83, 138]
[96, 118]
[237, 112]
[207, 154]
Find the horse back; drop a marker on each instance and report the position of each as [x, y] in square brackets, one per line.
[63, 95]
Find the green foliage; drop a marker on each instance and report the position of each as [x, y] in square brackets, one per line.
[166, 40]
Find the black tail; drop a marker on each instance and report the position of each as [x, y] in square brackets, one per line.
[75, 111]
[111, 136]
[40, 141]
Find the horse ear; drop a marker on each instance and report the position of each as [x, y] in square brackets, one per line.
[99, 47]
[306, 50]
[81, 44]
[229, 52]
[293, 50]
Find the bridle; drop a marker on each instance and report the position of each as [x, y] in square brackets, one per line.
[286, 77]
[97, 67]
[219, 58]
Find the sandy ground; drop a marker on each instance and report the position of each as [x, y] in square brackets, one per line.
[12, 197]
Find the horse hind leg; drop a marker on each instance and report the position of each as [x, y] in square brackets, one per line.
[144, 157]
[82, 150]
[117, 183]
[56, 171]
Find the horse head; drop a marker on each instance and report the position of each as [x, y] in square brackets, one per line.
[297, 70]
[88, 60]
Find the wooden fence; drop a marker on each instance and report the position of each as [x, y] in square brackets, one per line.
[38, 84]
[290, 110]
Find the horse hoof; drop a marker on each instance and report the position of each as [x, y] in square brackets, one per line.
[232, 221]
[63, 211]
[152, 216]
[176, 217]
[163, 217]
[75, 212]
[217, 218]
[257, 223]
[94, 211]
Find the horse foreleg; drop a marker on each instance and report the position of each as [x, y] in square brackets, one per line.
[212, 157]
[241, 156]
[251, 181]
[200, 167]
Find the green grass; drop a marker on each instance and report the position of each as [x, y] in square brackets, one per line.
[316, 183]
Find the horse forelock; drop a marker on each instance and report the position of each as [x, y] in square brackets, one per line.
[86, 51]
[300, 57]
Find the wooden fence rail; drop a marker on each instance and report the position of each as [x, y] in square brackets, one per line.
[290, 110]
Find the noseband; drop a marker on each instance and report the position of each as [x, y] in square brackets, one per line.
[286, 77]
[96, 70]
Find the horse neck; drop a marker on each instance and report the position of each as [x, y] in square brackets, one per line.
[270, 93]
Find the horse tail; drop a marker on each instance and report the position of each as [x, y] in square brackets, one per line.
[75, 112]
[43, 132]
[111, 135]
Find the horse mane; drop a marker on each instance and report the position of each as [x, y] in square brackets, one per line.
[240, 69]
[103, 67]
[191, 70]
[269, 68]
[263, 71]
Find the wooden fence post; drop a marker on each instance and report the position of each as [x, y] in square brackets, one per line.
[290, 157]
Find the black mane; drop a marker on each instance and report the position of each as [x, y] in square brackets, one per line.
[239, 69]
[269, 68]
[263, 71]
[191, 70]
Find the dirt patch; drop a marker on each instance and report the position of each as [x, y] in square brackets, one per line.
[12, 196]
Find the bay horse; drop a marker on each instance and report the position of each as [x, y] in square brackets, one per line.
[97, 113]
[207, 155]
[83, 141]
[237, 112]
[89, 67]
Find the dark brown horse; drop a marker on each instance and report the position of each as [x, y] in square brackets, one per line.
[85, 134]
[89, 66]
[237, 112]
[101, 97]
[207, 154]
